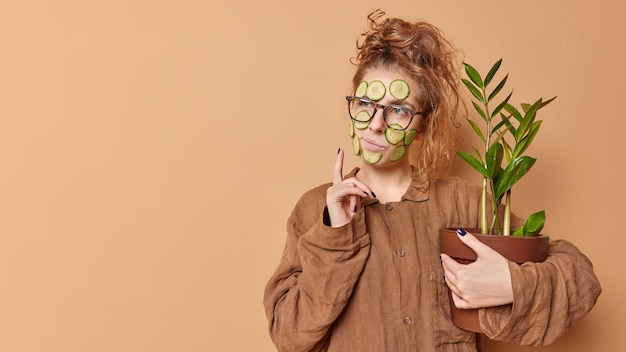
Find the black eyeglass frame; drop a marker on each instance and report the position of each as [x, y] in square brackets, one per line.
[377, 106]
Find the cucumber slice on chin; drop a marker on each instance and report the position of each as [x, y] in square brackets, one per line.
[398, 153]
[361, 89]
[376, 90]
[394, 136]
[370, 157]
[399, 89]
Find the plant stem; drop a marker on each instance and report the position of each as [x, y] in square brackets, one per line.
[506, 231]
[483, 208]
[485, 180]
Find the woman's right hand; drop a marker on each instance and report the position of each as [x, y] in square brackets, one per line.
[343, 198]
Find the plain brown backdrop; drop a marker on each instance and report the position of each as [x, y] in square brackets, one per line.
[151, 151]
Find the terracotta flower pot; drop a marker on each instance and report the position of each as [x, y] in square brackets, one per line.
[517, 249]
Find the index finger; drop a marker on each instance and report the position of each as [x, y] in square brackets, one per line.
[338, 171]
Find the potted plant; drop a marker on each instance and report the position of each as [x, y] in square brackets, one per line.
[506, 134]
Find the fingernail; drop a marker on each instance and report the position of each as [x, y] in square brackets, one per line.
[366, 193]
[355, 208]
[338, 150]
[373, 194]
[461, 232]
[444, 278]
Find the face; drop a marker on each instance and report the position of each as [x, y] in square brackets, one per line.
[385, 142]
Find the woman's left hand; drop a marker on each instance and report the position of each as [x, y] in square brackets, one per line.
[483, 283]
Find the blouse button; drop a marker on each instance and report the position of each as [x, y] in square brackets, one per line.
[401, 253]
[389, 207]
[407, 320]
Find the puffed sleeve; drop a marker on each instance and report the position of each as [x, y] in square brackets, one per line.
[315, 277]
[548, 298]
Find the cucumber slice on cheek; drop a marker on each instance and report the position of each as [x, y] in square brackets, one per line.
[410, 135]
[356, 145]
[362, 120]
[394, 136]
[398, 153]
[368, 157]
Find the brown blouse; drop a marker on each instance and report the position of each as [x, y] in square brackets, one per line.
[376, 284]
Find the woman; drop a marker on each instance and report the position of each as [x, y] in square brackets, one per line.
[361, 269]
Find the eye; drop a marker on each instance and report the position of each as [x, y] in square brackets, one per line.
[364, 103]
[398, 110]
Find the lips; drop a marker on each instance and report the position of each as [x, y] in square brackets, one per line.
[372, 146]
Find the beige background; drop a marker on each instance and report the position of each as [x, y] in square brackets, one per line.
[151, 151]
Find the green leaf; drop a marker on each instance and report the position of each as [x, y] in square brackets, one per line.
[479, 156]
[501, 105]
[492, 71]
[508, 151]
[498, 88]
[477, 130]
[503, 123]
[519, 231]
[474, 90]
[506, 120]
[473, 75]
[521, 147]
[534, 224]
[547, 102]
[480, 111]
[493, 160]
[511, 174]
[530, 112]
[473, 162]
[527, 120]
[512, 110]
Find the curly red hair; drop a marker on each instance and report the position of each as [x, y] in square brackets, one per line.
[421, 51]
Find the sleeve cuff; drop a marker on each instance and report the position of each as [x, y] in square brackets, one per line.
[339, 237]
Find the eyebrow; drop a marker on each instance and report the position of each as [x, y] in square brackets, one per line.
[402, 103]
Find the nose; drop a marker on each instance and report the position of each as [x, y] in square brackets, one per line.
[377, 123]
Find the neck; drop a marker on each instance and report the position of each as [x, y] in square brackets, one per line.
[389, 183]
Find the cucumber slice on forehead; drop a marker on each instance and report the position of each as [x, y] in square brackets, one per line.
[376, 90]
[399, 89]
[394, 136]
[371, 157]
[361, 89]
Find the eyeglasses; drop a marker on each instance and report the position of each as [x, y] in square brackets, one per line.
[396, 117]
